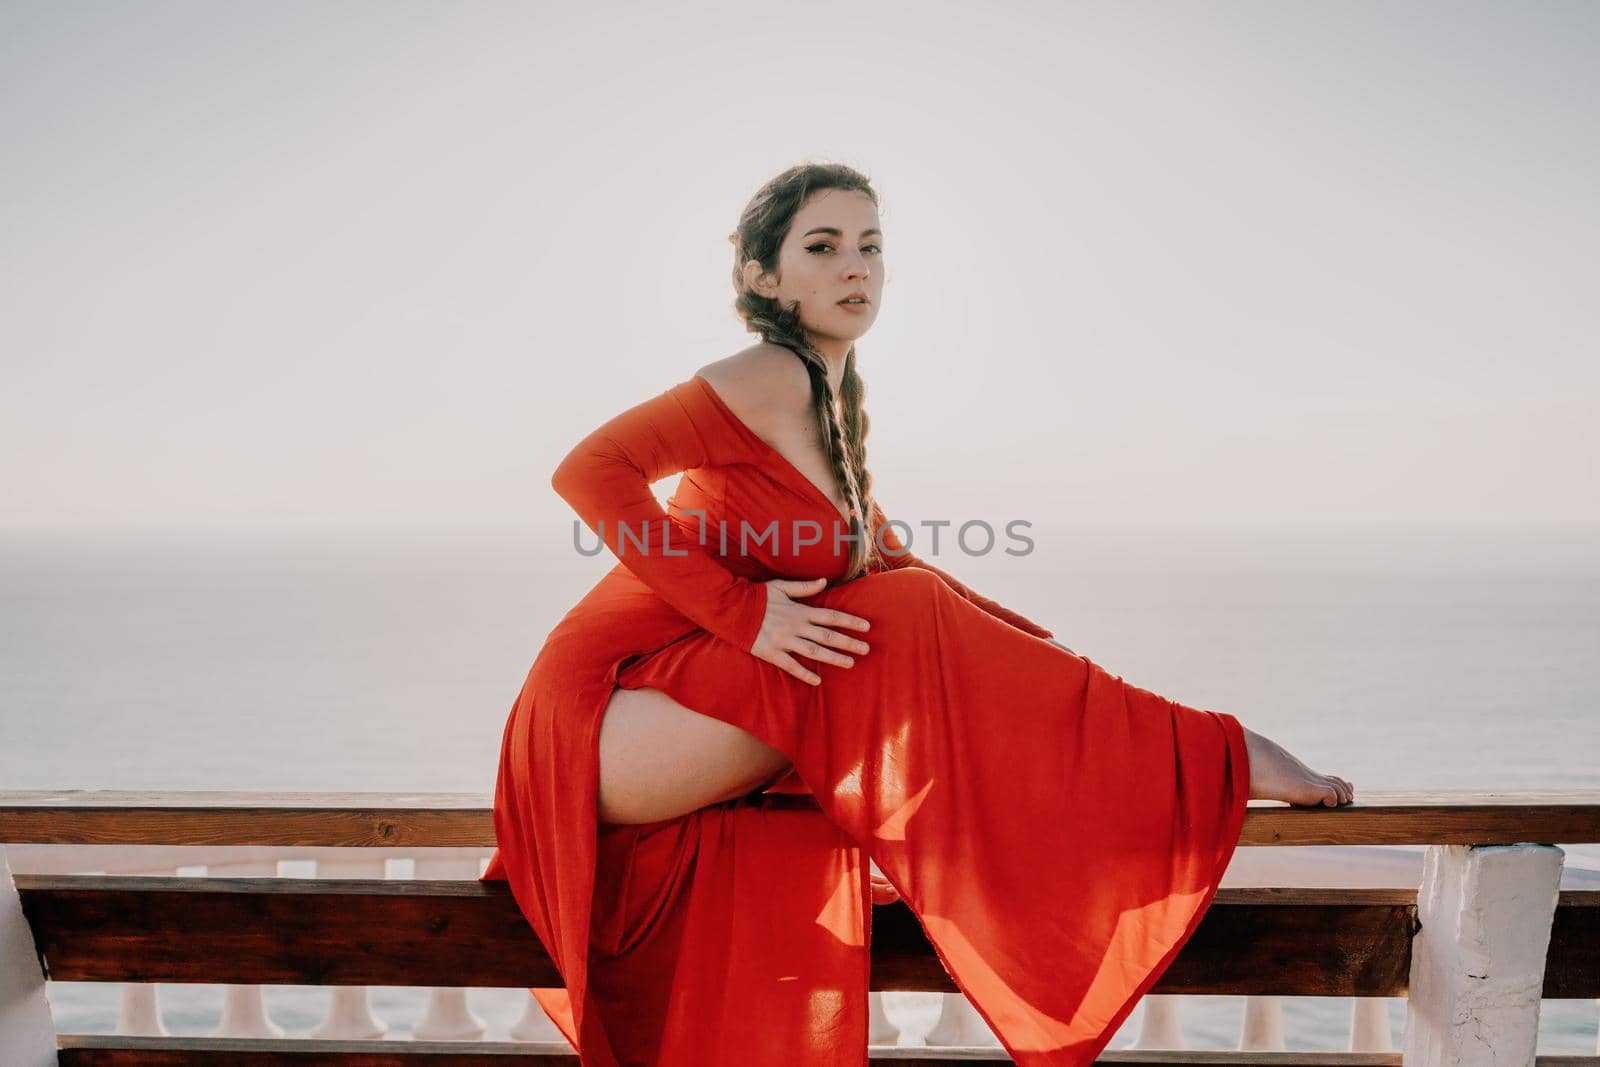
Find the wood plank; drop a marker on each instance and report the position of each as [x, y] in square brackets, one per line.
[84, 1050]
[1572, 962]
[464, 819]
[277, 931]
[97, 1050]
[116, 1050]
[287, 931]
[118, 817]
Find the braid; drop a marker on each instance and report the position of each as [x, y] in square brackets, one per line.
[841, 433]
[842, 422]
[852, 393]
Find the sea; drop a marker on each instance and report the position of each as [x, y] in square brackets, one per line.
[1399, 655]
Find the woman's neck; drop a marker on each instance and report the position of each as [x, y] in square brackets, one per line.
[834, 354]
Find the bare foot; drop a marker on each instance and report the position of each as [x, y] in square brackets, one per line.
[1277, 775]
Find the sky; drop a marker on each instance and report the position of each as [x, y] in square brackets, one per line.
[307, 264]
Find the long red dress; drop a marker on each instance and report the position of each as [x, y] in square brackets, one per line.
[1058, 831]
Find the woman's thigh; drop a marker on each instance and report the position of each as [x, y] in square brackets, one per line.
[660, 760]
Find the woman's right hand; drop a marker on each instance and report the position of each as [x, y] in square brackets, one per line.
[791, 627]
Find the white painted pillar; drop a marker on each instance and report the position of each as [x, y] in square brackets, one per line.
[140, 1010]
[1477, 963]
[535, 1024]
[880, 1031]
[1369, 1025]
[27, 1033]
[1162, 1025]
[350, 1014]
[1261, 1030]
[448, 1016]
[244, 1009]
[960, 1024]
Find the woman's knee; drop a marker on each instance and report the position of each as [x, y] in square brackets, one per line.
[890, 598]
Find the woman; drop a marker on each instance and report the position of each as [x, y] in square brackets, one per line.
[1058, 831]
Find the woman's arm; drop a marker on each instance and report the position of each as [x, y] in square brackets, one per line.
[905, 558]
[606, 478]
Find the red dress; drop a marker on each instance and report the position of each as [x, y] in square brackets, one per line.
[1058, 831]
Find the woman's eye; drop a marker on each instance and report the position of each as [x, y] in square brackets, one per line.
[823, 244]
[813, 248]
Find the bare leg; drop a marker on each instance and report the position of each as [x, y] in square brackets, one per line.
[659, 759]
[1277, 775]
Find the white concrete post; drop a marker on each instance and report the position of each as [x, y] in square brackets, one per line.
[140, 1011]
[880, 1031]
[1477, 962]
[1369, 1025]
[1161, 1026]
[960, 1024]
[448, 1016]
[350, 1014]
[1261, 1030]
[27, 1033]
[536, 1024]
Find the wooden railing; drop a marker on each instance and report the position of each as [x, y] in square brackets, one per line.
[1474, 943]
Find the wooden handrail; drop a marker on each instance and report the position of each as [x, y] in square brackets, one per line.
[420, 820]
[290, 931]
[1252, 941]
[93, 1050]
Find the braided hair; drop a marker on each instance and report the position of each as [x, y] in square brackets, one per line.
[763, 225]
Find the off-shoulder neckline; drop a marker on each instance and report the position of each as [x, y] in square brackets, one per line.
[797, 475]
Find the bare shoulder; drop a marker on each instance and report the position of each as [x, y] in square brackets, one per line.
[765, 385]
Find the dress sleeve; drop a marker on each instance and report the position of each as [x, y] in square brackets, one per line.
[606, 478]
[893, 544]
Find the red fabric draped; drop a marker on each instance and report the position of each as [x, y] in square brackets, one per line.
[1058, 831]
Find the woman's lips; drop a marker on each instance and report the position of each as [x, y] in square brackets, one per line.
[861, 307]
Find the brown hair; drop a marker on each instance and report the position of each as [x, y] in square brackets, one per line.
[763, 225]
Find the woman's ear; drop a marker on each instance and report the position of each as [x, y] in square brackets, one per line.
[756, 281]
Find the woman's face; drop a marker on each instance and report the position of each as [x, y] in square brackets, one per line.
[834, 249]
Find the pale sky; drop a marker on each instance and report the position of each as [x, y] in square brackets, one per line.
[385, 263]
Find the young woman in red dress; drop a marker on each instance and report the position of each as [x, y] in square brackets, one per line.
[769, 690]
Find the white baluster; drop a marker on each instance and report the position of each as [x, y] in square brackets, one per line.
[140, 1013]
[1162, 1027]
[1262, 1027]
[244, 1009]
[880, 1031]
[448, 1016]
[1478, 960]
[960, 1024]
[350, 1014]
[535, 1024]
[1369, 1025]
